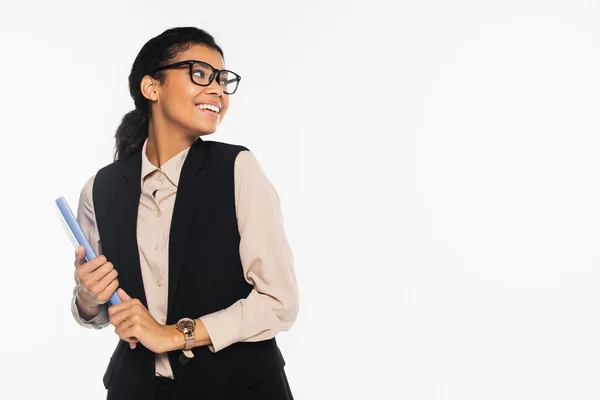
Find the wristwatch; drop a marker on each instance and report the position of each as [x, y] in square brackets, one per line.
[186, 326]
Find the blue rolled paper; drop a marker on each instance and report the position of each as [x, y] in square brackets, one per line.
[79, 236]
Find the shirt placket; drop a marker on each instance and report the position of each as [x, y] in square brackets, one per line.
[156, 193]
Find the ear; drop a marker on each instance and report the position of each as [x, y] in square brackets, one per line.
[149, 87]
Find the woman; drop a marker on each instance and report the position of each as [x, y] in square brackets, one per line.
[191, 233]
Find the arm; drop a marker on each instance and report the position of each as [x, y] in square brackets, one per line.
[95, 317]
[267, 262]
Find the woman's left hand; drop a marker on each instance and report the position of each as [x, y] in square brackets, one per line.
[133, 322]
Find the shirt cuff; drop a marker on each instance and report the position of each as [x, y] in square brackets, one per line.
[222, 328]
[97, 322]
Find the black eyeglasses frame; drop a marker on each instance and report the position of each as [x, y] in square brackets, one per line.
[216, 73]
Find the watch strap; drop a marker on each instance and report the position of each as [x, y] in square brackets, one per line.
[190, 340]
[188, 335]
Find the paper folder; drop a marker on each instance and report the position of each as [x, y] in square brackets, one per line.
[79, 236]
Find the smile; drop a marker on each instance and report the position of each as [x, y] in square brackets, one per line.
[208, 107]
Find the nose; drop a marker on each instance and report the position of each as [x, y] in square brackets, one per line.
[215, 87]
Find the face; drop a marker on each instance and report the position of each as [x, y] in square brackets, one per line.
[176, 103]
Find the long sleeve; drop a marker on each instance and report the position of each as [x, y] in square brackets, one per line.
[267, 261]
[87, 221]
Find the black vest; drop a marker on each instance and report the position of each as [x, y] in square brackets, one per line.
[205, 272]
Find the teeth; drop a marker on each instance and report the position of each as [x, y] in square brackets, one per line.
[208, 107]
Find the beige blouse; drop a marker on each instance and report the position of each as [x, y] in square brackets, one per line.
[266, 257]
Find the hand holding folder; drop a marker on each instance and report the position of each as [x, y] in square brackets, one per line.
[77, 234]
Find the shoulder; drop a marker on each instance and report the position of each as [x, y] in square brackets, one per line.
[246, 162]
[215, 148]
[105, 184]
[248, 171]
[228, 156]
[87, 187]
[86, 191]
[111, 169]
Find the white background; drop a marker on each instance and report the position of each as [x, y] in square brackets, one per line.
[437, 164]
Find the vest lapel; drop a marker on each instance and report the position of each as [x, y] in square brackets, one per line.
[184, 214]
[130, 274]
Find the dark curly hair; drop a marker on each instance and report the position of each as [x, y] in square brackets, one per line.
[158, 51]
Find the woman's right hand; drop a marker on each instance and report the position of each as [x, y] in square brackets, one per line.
[97, 280]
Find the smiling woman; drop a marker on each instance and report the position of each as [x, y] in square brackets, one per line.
[171, 92]
[191, 233]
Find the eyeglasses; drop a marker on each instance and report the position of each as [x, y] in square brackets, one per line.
[203, 74]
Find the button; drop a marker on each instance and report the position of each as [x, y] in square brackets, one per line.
[183, 359]
[156, 247]
[159, 282]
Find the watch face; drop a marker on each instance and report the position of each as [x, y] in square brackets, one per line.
[186, 323]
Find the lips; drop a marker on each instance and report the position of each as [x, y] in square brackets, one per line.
[207, 109]
[209, 106]
[208, 113]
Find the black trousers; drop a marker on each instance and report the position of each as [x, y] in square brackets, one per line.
[165, 389]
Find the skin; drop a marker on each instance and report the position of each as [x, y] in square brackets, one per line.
[175, 121]
[174, 125]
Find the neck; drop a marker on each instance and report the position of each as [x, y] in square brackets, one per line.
[164, 143]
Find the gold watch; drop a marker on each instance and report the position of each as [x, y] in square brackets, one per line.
[186, 326]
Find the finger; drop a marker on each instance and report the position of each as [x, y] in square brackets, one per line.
[82, 261]
[101, 285]
[126, 309]
[133, 332]
[136, 307]
[116, 318]
[124, 318]
[101, 271]
[129, 332]
[132, 342]
[85, 268]
[91, 278]
[124, 324]
[123, 295]
[79, 259]
[110, 289]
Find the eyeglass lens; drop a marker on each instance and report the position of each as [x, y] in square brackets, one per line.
[202, 74]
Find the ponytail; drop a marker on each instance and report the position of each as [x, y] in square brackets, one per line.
[131, 134]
